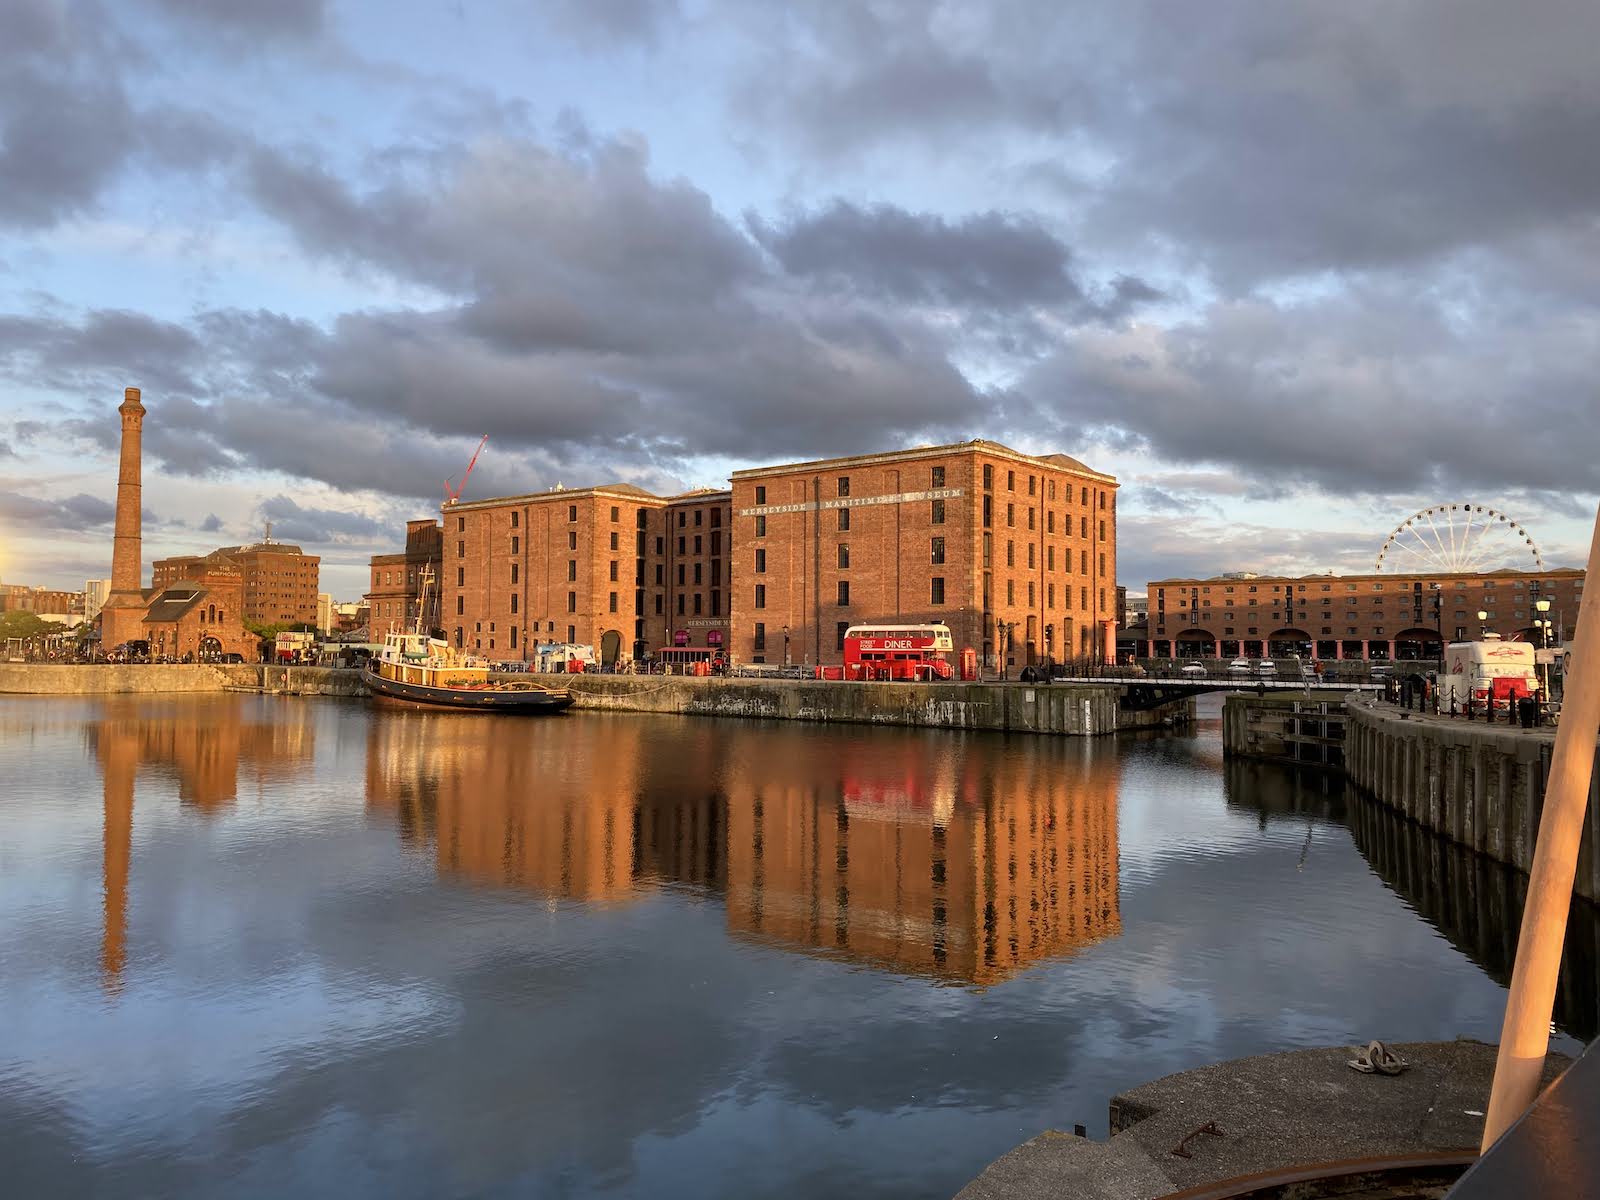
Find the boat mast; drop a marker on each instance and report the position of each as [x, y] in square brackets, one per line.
[426, 576]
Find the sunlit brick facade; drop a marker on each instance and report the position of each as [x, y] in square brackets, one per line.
[396, 581]
[614, 567]
[975, 535]
[1375, 616]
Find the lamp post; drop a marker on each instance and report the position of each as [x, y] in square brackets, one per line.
[1542, 607]
[1438, 618]
[786, 645]
[1002, 642]
[1049, 640]
[1482, 628]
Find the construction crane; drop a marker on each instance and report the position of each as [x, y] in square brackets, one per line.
[452, 493]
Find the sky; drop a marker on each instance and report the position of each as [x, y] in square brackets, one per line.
[1291, 272]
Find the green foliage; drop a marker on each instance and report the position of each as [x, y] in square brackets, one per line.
[26, 625]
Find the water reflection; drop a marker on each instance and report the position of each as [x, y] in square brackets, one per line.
[1476, 903]
[201, 745]
[904, 853]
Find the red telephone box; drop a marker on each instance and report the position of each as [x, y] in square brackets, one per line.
[969, 664]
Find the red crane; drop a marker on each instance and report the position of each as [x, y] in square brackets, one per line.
[452, 493]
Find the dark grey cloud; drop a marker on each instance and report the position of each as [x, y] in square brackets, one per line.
[212, 524]
[605, 24]
[250, 18]
[1248, 142]
[988, 261]
[72, 514]
[294, 522]
[1370, 391]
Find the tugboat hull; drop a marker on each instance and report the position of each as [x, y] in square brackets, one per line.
[514, 698]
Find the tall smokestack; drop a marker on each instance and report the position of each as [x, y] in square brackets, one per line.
[124, 607]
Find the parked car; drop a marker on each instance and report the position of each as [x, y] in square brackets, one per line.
[1382, 672]
[1239, 666]
[1266, 667]
[1194, 668]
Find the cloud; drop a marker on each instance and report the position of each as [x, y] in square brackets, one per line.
[607, 24]
[249, 18]
[296, 523]
[212, 524]
[1372, 391]
[73, 514]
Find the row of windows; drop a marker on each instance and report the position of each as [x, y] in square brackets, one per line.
[1532, 585]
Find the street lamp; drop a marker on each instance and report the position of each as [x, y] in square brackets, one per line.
[1482, 617]
[1542, 607]
[786, 645]
[1049, 639]
[1003, 642]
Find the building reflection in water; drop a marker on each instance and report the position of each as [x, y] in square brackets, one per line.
[1473, 901]
[896, 850]
[1476, 903]
[199, 745]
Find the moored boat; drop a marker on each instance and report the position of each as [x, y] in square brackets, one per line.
[419, 669]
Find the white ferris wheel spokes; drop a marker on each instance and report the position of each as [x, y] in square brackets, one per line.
[1458, 539]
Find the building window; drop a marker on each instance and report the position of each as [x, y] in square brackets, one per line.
[697, 569]
[516, 545]
[572, 601]
[761, 632]
[988, 475]
[1049, 558]
[1011, 591]
[680, 575]
[988, 511]
[844, 485]
[461, 549]
[613, 602]
[516, 519]
[658, 604]
[1030, 595]
[1011, 515]
[572, 570]
[613, 570]
[1011, 554]
[1050, 595]
[936, 595]
[682, 543]
[716, 544]
[572, 512]
[1030, 516]
[938, 512]
[761, 527]
[839, 630]
[697, 604]
[844, 556]
[716, 603]
[513, 602]
[988, 549]
[844, 593]
[461, 577]
[761, 597]
[844, 520]
[461, 524]
[936, 477]
[761, 562]
[660, 575]
[716, 520]
[461, 606]
[1011, 481]
[698, 542]
[515, 571]
[938, 551]
[614, 543]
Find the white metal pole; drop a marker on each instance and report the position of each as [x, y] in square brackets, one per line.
[1525, 1036]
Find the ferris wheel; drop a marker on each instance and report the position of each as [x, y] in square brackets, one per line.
[1458, 539]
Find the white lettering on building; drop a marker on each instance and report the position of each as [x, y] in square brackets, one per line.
[852, 502]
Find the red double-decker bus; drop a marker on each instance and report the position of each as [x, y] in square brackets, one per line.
[907, 652]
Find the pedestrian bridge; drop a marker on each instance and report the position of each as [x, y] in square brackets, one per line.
[1143, 692]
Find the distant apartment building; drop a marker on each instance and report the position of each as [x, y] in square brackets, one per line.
[279, 581]
[615, 567]
[396, 588]
[1016, 553]
[324, 613]
[95, 592]
[1372, 616]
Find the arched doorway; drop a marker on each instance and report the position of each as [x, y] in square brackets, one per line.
[610, 647]
[1286, 643]
[1196, 643]
[210, 649]
[1413, 645]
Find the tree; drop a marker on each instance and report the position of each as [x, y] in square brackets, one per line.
[26, 625]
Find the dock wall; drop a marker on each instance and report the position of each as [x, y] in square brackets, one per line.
[1481, 786]
[1062, 710]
